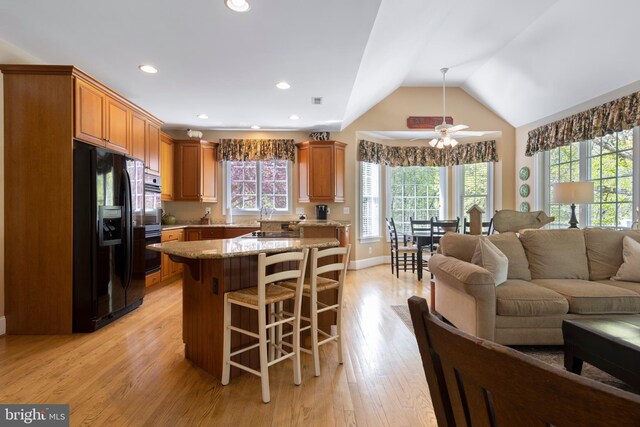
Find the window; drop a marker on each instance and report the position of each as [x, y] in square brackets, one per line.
[253, 185]
[608, 161]
[475, 187]
[414, 192]
[370, 201]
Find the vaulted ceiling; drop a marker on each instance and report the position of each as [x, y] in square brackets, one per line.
[523, 59]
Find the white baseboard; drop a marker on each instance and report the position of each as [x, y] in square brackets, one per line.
[3, 325]
[369, 262]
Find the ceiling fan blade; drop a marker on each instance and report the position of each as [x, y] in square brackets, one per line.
[457, 128]
[470, 133]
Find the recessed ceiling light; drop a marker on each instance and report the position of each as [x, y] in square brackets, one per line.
[203, 116]
[255, 127]
[238, 5]
[283, 85]
[294, 117]
[148, 69]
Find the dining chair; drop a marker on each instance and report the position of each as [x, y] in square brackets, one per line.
[487, 227]
[439, 227]
[400, 253]
[324, 261]
[258, 298]
[476, 382]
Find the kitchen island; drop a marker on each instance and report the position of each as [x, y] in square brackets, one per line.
[213, 268]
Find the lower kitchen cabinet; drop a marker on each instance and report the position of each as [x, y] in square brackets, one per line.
[169, 268]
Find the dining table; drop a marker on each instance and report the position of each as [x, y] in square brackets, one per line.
[420, 239]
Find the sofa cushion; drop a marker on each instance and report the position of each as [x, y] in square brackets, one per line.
[630, 269]
[556, 254]
[522, 298]
[604, 250]
[487, 255]
[632, 286]
[592, 297]
[462, 246]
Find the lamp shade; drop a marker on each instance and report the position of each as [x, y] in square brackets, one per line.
[573, 192]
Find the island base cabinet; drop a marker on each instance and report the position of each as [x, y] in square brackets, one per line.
[203, 311]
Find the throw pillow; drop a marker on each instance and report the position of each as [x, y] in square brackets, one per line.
[630, 269]
[487, 255]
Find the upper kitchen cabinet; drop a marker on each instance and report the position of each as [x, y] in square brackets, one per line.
[100, 119]
[195, 171]
[138, 126]
[166, 166]
[152, 148]
[321, 171]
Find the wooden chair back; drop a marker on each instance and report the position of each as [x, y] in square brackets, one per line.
[474, 382]
[487, 227]
[441, 226]
[420, 225]
[393, 234]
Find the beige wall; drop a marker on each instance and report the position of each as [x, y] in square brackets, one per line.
[9, 54]
[535, 181]
[390, 114]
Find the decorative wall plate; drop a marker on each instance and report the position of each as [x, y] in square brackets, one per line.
[524, 207]
[524, 173]
[524, 190]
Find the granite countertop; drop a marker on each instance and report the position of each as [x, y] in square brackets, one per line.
[166, 227]
[321, 223]
[240, 246]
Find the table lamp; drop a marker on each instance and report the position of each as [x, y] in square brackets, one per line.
[574, 193]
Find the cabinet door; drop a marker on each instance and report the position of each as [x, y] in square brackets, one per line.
[166, 166]
[339, 173]
[321, 182]
[177, 267]
[208, 183]
[303, 174]
[138, 126]
[152, 154]
[117, 130]
[166, 267]
[187, 168]
[191, 235]
[89, 114]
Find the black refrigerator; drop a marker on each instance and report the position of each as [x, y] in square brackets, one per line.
[108, 236]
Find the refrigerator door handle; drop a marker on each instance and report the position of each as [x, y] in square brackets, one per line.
[128, 221]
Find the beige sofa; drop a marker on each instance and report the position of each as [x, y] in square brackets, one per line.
[553, 275]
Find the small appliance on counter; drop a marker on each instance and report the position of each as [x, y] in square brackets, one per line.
[322, 211]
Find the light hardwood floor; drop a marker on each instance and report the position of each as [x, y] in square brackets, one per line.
[133, 372]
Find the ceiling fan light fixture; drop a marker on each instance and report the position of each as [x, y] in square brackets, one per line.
[238, 5]
[453, 143]
[433, 142]
[440, 144]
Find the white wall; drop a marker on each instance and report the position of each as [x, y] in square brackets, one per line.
[9, 54]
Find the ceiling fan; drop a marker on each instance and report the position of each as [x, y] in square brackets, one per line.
[444, 131]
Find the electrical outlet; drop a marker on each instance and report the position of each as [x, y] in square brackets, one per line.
[299, 211]
[207, 211]
[370, 250]
[346, 211]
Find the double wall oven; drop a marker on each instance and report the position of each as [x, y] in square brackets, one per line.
[152, 221]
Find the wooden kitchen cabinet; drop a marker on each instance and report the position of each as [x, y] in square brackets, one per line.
[195, 171]
[321, 171]
[166, 166]
[168, 268]
[152, 148]
[100, 119]
[138, 132]
[342, 234]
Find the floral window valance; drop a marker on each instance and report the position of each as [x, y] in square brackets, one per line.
[615, 116]
[479, 152]
[256, 149]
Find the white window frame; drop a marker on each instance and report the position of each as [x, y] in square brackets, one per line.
[226, 176]
[371, 238]
[444, 193]
[584, 215]
[459, 193]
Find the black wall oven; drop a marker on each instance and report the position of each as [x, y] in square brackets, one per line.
[152, 219]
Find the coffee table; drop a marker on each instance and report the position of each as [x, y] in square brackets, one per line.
[612, 345]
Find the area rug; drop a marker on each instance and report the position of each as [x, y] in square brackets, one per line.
[552, 355]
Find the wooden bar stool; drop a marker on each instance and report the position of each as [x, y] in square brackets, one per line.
[257, 298]
[316, 284]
